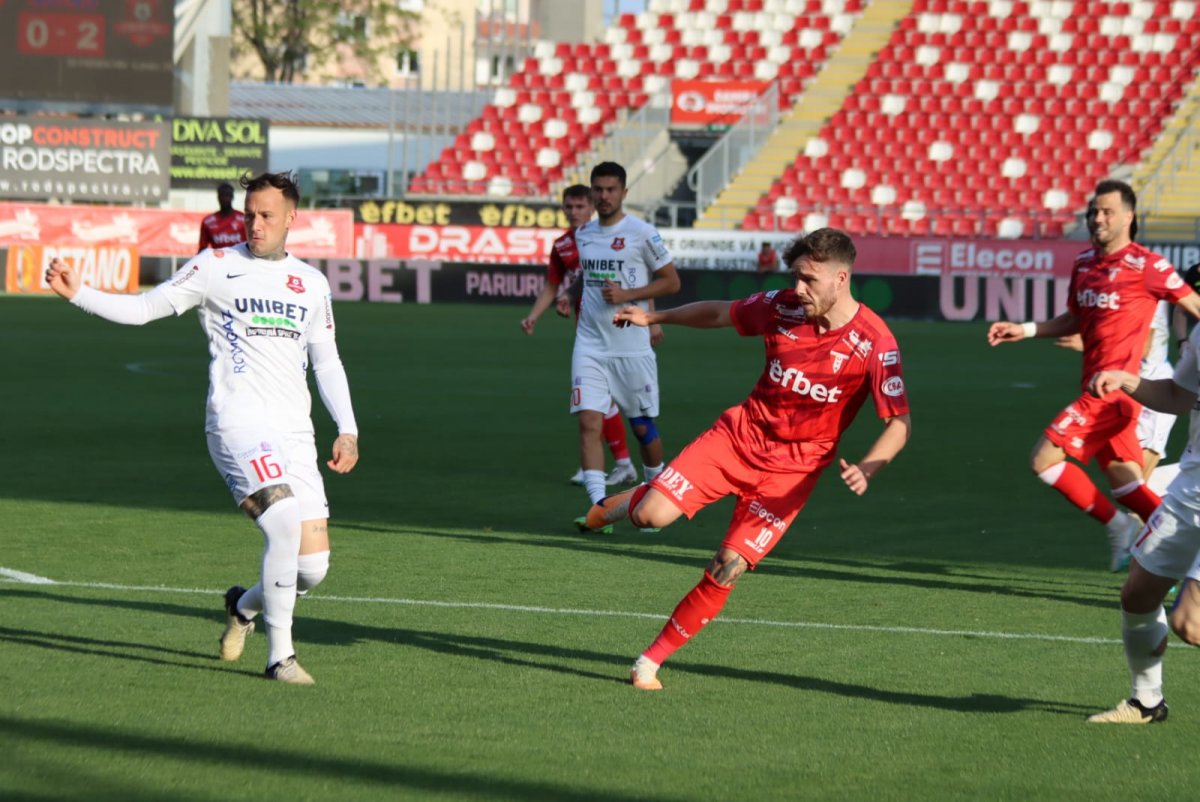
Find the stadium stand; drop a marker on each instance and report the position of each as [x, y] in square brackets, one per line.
[568, 95]
[992, 118]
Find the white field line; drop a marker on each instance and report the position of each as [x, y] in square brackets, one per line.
[12, 576]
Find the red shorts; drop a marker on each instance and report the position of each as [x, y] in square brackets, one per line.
[712, 467]
[1101, 429]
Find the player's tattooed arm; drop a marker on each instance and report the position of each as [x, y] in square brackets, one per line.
[257, 503]
[345, 453]
[726, 567]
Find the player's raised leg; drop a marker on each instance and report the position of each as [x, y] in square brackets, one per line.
[1050, 463]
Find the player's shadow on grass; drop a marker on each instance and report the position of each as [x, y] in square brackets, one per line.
[550, 658]
[926, 576]
[392, 775]
[122, 650]
[515, 653]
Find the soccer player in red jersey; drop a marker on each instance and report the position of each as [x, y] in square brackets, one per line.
[224, 227]
[1115, 286]
[562, 271]
[825, 354]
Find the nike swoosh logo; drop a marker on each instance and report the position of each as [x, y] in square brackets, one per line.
[289, 585]
[234, 275]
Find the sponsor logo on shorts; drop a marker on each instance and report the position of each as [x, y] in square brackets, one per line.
[674, 482]
[800, 384]
[757, 509]
[894, 387]
[1070, 416]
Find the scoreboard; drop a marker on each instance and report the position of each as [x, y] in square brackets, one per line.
[97, 56]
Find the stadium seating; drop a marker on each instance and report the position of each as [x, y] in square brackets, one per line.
[567, 95]
[992, 117]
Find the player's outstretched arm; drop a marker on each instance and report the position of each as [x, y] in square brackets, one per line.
[665, 282]
[1161, 395]
[130, 310]
[1007, 331]
[700, 315]
[540, 305]
[896, 432]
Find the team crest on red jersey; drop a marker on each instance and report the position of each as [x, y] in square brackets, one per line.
[618, 243]
[295, 284]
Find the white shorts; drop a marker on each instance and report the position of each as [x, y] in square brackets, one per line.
[1153, 429]
[629, 381]
[251, 459]
[1169, 543]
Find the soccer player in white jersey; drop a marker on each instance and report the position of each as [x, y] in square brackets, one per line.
[1165, 549]
[622, 261]
[266, 315]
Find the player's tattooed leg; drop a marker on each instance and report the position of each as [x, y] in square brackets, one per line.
[726, 567]
[257, 503]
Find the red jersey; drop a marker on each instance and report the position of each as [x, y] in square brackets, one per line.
[563, 270]
[814, 383]
[221, 231]
[1114, 297]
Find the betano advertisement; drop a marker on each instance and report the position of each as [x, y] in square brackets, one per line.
[111, 268]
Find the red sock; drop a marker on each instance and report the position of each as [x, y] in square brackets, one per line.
[701, 605]
[1142, 500]
[1083, 493]
[614, 434]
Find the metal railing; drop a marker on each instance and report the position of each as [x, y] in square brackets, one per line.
[724, 160]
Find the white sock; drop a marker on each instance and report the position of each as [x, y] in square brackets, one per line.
[280, 525]
[650, 471]
[310, 570]
[624, 461]
[646, 668]
[251, 602]
[1143, 634]
[593, 482]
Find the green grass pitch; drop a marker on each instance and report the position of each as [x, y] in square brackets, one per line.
[942, 637]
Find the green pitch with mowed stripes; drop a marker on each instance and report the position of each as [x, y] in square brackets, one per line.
[942, 637]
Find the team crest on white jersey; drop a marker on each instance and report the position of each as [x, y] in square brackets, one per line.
[295, 284]
[618, 243]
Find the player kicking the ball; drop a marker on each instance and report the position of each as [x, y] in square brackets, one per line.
[266, 315]
[825, 354]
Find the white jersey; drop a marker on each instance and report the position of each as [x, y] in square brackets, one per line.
[628, 253]
[1156, 363]
[259, 316]
[1185, 488]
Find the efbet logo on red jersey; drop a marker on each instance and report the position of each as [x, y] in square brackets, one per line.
[618, 243]
[295, 284]
[801, 384]
[1098, 300]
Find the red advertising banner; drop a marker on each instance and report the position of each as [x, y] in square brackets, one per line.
[712, 102]
[316, 234]
[476, 244]
[111, 268]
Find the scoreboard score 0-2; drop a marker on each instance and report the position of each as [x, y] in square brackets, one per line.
[87, 55]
